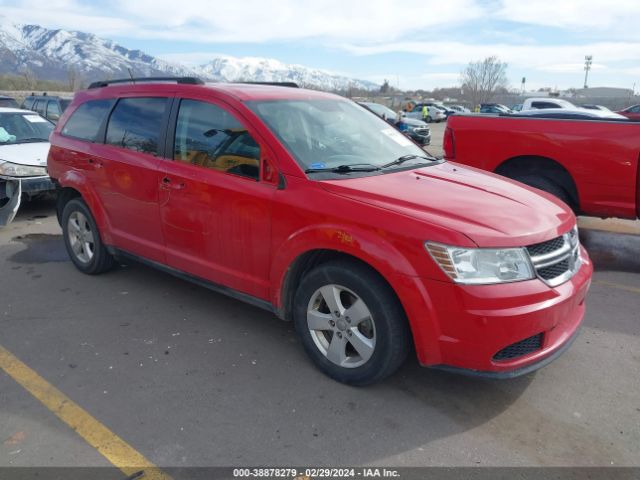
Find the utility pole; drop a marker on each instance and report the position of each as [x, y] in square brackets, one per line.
[588, 60]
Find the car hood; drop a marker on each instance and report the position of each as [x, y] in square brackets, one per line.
[414, 122]
[488, 209]
[32, 154]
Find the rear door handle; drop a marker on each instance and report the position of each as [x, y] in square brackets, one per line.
[167, 184]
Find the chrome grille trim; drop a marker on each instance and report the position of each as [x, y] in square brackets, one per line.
[569, 252]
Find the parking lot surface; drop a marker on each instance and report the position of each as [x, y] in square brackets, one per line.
[187, 377]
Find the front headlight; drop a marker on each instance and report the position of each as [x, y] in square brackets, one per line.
[482, 266]
[15, 170]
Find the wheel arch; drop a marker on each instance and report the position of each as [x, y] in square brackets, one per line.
[546, 167]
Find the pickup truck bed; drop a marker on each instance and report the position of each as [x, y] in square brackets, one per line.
[592, 165]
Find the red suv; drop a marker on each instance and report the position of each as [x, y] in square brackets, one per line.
[312, 207]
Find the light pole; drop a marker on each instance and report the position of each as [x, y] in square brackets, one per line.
[588, 60]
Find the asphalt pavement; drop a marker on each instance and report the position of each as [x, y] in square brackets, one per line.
[187, 377]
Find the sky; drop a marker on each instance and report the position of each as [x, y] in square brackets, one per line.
[412, 43]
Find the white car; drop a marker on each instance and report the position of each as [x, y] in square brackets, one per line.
[24, 146]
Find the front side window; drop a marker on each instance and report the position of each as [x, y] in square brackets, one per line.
[85, 122]
[135, 124]
[210, 137]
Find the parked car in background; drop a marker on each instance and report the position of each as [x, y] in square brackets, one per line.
[494, 108]
[584, 158]
[415, 129]
[546, 102]
[8, 102]
[632, 112]
[338, 223]
[24, 146]
[50, 107]
[434, 113]
[459, 108]
[591, 106]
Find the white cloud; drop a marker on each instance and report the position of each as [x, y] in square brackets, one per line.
[570, 67]
[611, 15]
[531, 56]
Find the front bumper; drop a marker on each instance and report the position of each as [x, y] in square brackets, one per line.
[420, 139]
[13, 188]
[463, 327]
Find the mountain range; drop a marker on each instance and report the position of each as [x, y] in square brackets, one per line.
[58, 54]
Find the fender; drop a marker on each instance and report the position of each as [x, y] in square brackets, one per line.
[76, 180]
[370, 248]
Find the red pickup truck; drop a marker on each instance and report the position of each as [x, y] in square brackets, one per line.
[592, 165]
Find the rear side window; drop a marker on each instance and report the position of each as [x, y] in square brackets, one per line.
[85, 122]
[543, 105]
[53, 110]
[210, 137]
[135, 124]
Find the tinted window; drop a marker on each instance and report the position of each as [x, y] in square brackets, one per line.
[135, 124]
[85, 122]
[209, 136]
[64, 104]
[28, 103]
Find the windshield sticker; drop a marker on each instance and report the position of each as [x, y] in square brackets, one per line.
[318, 165]
[35, 119]
[396, 137]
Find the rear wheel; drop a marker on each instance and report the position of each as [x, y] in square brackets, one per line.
[82, 239]
[351, 324]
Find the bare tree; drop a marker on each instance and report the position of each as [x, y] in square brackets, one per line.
[28, 76]
[481, 80]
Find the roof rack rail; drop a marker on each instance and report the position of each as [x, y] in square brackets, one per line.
[184, 80]
[275, 84]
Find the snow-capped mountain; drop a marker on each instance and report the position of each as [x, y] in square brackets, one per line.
[58, 54]
[232, 69]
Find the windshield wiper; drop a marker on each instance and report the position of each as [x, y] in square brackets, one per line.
[405, 158]
[354, 167]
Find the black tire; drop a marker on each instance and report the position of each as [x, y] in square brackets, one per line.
[100, 259]
[391, 331]
[428, 119]
[543, 183]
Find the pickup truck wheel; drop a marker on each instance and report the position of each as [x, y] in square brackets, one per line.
[82, 239]
[350, 323]
[548, 186]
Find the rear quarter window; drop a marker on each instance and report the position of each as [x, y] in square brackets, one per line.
[85, 122]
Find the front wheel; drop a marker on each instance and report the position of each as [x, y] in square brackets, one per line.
[350, 322]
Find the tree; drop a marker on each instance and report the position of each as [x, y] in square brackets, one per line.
[481, 80]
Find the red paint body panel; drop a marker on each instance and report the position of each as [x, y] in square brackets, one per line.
[601, 157]
[246, 235]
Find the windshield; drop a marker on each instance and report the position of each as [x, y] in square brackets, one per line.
[327, 133]
[23, 128]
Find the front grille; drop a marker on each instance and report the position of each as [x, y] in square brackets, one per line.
[553, 271]
[520, 348]
[546, 247]
[556, 260]
[423, 132]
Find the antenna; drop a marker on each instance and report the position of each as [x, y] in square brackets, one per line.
[131, 75]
